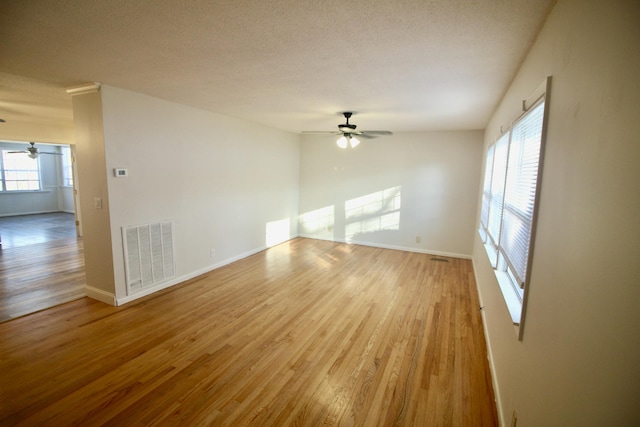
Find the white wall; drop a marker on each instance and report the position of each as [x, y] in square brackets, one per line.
[353, 194]
[222, 181]
[578, 362]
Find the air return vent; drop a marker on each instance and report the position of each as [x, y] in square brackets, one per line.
[148, 254]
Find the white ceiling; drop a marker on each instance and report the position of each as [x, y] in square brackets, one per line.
[402, 65]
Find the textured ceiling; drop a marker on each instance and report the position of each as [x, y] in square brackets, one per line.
[402, 65]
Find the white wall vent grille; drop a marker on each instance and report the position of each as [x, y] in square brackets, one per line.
[148, 254]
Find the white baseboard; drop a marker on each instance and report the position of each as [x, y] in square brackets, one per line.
[393, 247]
[487, 338]
[100, 295]
[28, 213]
[185, 277]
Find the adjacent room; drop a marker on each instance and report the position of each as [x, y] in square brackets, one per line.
[39, 233]
[366, 213]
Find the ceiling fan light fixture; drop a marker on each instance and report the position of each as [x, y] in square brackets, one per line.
[347, 132]
[33, 155]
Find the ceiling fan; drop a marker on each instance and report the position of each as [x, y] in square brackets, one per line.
[348, 133]
[33, 152]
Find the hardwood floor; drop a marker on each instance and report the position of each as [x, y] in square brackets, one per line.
[24, 230]
[306, 333]
[41, 263]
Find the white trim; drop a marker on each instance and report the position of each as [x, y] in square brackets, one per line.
[509, 295]
[31, 213]
[27, 191]
[100, 295]
[83, 88]
[514, 305]
[393, 247]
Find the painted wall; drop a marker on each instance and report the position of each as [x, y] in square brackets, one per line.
[52, 198]
[390, 190]
[92, 176]
[227, 184]
[578, 361]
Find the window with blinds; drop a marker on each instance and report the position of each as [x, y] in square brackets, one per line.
[19, 172]
[509, 196]
[520, 192]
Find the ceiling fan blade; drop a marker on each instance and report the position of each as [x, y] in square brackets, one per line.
[18, 152]
[50, 152]
[370, 134]
[348, 130]
[320, 132]
[377, 132]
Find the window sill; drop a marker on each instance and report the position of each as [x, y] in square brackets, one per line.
[511, 298]
[25, 191]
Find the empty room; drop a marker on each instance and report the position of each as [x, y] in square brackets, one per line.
[415, 213]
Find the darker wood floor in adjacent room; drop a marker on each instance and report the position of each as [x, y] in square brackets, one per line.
[41, 263]
[306, 333]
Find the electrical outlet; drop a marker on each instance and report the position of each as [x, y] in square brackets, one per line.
[212, 253]
[97, 203]
[418, 239]
[514, 419]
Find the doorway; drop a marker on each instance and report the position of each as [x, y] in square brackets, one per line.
[41, 254]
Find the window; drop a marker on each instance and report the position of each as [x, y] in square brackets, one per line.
[507, 219]
[19, 172]
[67, 167]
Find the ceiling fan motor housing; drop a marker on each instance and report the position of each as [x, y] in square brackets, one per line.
[346, 127]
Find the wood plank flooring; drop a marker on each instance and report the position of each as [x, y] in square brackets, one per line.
[24, 230]
[306, 333]
[41, 263]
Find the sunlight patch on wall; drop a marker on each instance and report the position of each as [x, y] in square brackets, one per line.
[277, 232]
[319, 222]
[373, 212]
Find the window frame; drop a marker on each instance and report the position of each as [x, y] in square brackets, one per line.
[513, 287]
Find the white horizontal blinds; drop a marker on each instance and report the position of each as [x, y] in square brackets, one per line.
[486, 192]
[497, 191]
[520, 191]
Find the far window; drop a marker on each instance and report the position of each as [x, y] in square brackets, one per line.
[507, 219]
[19, 172]
[67, 167]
